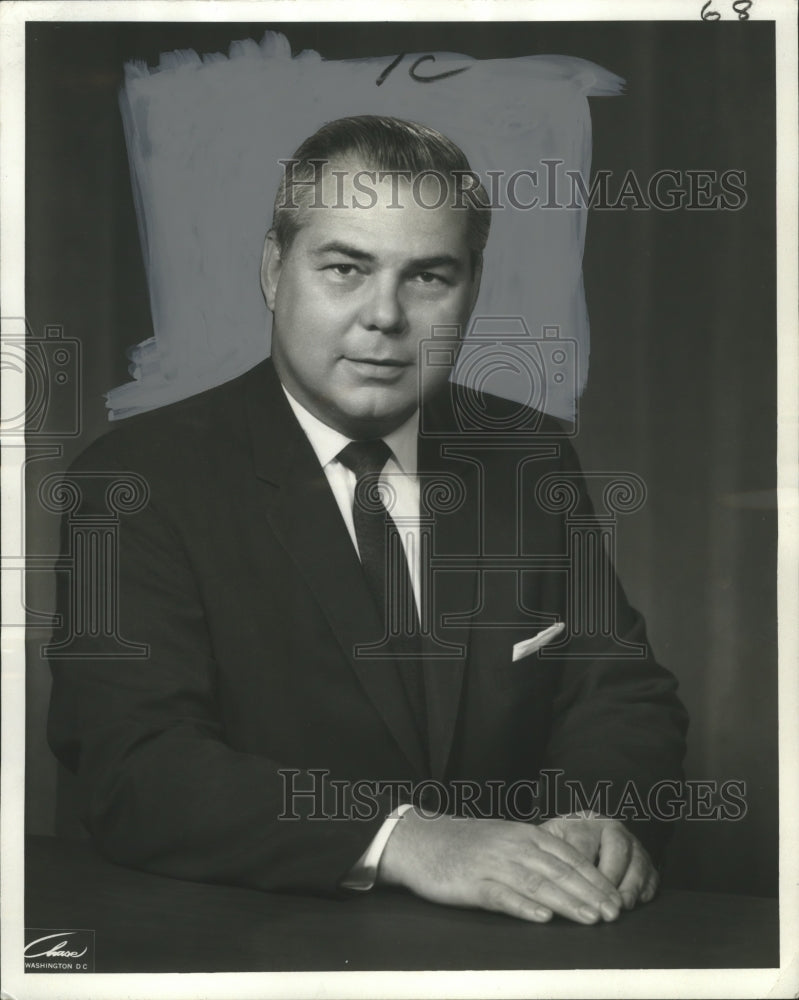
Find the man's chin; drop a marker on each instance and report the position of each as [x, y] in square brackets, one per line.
[371, 422]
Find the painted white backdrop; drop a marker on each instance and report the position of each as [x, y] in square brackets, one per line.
[205, 136]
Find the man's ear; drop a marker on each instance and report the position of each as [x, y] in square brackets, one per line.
[271, 265]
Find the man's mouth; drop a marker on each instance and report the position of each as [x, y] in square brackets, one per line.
[384, 362]
[378, 368]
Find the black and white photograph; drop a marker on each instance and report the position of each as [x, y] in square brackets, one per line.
[399, 454]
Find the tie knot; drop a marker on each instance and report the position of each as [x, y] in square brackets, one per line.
[365, 457]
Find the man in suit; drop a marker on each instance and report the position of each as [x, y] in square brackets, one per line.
[303, 645]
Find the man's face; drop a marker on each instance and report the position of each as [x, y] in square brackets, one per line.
[356, 293]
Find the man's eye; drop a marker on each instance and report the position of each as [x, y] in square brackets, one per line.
[344, 270]
[429, 278]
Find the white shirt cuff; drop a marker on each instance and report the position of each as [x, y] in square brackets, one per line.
[363, 874]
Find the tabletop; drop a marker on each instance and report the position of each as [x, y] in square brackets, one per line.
[148, 923]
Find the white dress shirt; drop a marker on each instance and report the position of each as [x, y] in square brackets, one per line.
[400, 477]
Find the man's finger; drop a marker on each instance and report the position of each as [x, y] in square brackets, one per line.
[651, 888]
[568, 854]
[615, 853]
[540, 892]
[581, 838]
[502, 899]
[636, 877]
[559, 885]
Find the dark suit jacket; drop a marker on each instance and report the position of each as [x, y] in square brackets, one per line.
[240, 577]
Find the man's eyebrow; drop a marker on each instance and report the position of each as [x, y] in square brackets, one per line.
[335, 246]
[416, 264]
[441, 260]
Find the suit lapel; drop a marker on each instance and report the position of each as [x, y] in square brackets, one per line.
[304, 516]
[455, 533]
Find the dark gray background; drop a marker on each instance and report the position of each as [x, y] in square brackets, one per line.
[682, 382]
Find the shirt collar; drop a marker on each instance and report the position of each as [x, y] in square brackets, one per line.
[327, 442]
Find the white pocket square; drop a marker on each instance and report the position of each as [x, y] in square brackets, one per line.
[528, 646]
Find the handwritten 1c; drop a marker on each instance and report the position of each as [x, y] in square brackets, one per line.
[412, 70]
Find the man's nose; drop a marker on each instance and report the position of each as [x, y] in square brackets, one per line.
[383, 309]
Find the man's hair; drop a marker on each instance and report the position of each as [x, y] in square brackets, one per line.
[385, 144]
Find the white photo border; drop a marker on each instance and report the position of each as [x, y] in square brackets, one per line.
[595, 983]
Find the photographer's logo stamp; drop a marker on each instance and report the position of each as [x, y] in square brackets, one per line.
[49, 950]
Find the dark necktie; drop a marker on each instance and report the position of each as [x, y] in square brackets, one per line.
[379, 544]
[385, 565]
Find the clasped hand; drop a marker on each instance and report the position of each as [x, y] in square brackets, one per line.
[584, 868]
